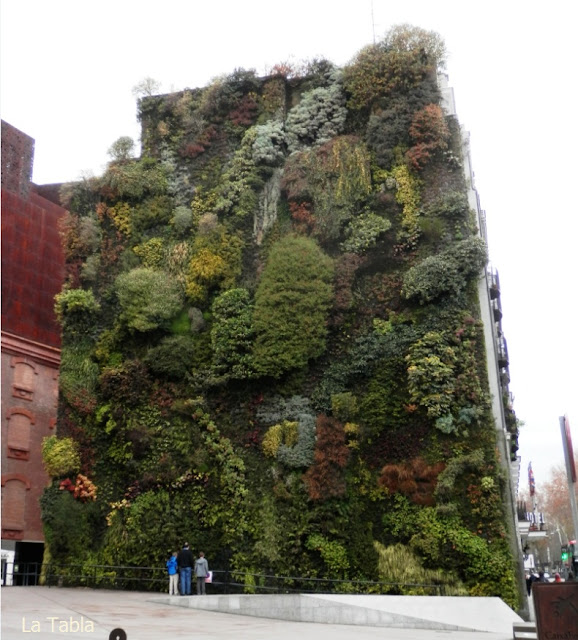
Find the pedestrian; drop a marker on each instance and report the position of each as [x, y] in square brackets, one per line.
[201, 571]
[530, 582]
[173, 569]
[185, 561]
[542, 577]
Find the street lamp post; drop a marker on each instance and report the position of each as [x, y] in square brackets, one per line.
[571, 476]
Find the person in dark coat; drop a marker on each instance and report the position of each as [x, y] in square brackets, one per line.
[185, 561]
[530, 581]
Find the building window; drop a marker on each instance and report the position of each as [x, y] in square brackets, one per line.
[13, 507]
[18, 436]
[24, 379]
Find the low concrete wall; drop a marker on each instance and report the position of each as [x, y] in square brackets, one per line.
[402, 612]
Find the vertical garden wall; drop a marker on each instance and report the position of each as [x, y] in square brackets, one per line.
[271, 336]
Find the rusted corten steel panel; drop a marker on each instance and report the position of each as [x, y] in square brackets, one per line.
[32, 267]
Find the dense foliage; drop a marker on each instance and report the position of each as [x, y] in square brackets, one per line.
[271, 336]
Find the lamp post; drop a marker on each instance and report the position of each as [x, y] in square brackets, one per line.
[571, 476]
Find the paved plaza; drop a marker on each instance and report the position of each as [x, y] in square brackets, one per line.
[86, 614]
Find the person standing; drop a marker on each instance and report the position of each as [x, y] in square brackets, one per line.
[173, 569]
[185, 561]
[201, 571]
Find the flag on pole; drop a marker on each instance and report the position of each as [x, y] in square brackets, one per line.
[531, 480]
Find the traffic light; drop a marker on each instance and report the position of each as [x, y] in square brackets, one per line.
[565, 554]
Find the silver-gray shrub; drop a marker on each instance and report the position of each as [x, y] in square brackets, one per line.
[302, 453]
[296, 409]
[182, 219]
[270, 146]
[276, 409]
[319, 116]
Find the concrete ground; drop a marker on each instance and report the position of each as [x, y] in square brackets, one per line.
[86, 614]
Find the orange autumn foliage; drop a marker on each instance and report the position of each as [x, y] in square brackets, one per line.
[325, 478]
[414, 479]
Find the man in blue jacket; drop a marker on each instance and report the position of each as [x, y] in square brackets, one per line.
[185, 560]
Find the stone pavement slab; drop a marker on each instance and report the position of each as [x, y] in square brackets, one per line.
[87, 614]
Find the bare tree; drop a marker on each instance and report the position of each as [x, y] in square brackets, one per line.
[146, 87]
[122, 149]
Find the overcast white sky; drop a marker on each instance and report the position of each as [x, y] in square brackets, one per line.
[68, 68]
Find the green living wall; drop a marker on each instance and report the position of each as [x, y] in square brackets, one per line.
[271, 337]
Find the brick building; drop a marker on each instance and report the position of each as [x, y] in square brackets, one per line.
[32, 273]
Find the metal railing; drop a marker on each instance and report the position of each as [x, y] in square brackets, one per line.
[23, 574]
[155, 579]
[239, 582]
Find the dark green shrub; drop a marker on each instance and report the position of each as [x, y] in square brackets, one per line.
[291, 306]
[452, 205]
[76, 310]
[72, 528]
[136, 179]
[152, 212]
[431, 375]
[447, 273]
[172, 358]
[148, 299]
[125, 385]
[232, 333]
[78, 372]
[384, 405]
[344, 406]
[485, 566]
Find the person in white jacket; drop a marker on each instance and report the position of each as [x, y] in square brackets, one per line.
[201, 571]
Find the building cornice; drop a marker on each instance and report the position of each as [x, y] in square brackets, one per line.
[42, 353]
